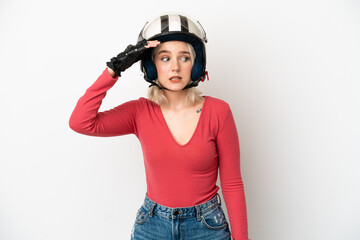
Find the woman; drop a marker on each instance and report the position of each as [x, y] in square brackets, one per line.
[185, 137]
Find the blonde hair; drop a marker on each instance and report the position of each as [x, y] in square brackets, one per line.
[156, 95]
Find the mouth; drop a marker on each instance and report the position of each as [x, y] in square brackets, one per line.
[175, 79]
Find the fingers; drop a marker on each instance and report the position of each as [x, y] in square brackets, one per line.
[152, 44]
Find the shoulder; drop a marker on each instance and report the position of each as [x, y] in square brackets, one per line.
[217, 105]
[143, 103]
[146, 102]
[135, 105]
[140, 101]
[220, 115]
[217, 110]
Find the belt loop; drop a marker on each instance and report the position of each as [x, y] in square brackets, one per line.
[219, 198]
[198, 214]
[152, 209]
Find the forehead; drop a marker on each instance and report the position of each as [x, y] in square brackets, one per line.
[174, 46]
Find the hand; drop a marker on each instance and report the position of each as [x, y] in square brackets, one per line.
[153, 43]
[129, 56]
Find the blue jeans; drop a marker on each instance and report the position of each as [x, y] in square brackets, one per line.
[200, 222]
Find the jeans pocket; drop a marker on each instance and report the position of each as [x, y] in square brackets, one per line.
[214, 219]
[141, 216]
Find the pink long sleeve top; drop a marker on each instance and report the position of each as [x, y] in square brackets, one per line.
[176, 175]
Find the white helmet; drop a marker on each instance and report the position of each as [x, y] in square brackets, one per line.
[170, 27]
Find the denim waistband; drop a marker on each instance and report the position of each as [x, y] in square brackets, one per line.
[181, 212]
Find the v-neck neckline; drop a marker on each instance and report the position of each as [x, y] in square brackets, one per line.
[196, 128]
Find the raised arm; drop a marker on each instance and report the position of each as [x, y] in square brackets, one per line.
[86, 119]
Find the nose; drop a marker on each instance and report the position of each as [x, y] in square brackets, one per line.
[175, 66]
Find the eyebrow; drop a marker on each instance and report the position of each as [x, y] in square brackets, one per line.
[165, 51]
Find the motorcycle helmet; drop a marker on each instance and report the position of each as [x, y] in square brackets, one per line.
[174, 27]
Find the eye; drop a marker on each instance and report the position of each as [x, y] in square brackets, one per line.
[164, 59]
[185, 58]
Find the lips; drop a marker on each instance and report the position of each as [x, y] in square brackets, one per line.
[175, 79]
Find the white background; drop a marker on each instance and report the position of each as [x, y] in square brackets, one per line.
[288, 69]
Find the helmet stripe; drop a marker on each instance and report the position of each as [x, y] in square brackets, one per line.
[164, 23]
[184, 24]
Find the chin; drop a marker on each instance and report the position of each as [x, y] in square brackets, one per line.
[176, 89]
[176, 86]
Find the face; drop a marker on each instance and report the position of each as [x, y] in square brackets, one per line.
[173, 65]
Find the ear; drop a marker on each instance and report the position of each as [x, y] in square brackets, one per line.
[149, 66]
[198, 69]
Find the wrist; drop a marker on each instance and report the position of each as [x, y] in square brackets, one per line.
[111, 72]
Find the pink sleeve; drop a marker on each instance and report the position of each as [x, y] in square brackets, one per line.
[230, 177]
[86, 119]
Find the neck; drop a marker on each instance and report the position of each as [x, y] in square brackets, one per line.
[176, 100]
